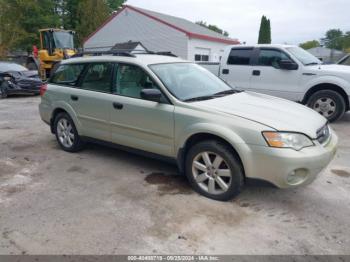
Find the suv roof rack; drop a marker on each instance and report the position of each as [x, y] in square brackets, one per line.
[166, 53]
[100, 53]
[123, 52]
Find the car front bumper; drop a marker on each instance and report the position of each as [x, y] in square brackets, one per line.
[286, 167]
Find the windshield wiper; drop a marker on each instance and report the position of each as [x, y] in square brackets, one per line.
[312, 63]
[218, 94]
[199, 98]
[228, 92]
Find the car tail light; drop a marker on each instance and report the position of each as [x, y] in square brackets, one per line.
[43, 89]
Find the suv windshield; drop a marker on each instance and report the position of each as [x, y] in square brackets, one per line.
[303, 56]
[188, 81]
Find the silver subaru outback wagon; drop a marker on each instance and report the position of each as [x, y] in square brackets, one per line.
[165, 106]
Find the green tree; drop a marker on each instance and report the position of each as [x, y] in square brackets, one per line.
[91, 14]
[334, 39]
[310, 44]
[264, 31]
[114, 4]
[69, 14]
[213, 28]
[346, 42]
[21, 19]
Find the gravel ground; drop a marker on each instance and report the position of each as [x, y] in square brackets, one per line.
[105, 201]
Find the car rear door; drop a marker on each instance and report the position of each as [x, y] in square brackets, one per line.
[138, 123]
[83, 89]
[236, 71]
[268, 78]
[90, 100]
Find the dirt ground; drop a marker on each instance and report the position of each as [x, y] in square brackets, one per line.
[105, 201]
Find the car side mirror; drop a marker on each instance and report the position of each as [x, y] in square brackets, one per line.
[287, 65]
[152, 94]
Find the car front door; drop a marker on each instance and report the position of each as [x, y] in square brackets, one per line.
[236, 71]
[139, 123]
[269, 79]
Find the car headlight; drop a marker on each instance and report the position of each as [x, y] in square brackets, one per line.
[296, 141]
[7, 78]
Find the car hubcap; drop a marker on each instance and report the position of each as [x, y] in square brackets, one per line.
[211, 173]
[325, 106]
[65, 132]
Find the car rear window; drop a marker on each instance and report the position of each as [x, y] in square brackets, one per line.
[240, 56]
[67, 74]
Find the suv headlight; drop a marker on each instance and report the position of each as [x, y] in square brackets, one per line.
[296, 141]
[7, 78]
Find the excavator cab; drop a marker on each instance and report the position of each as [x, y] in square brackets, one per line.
[55, 45]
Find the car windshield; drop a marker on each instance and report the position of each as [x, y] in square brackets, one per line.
[5, 67]
[345, 61]
[303, 56]
[188, 81]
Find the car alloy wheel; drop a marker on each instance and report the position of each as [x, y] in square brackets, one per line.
[325, 106]
[65, 133]
[211, 173]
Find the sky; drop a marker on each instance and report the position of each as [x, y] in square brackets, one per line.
[292, 21]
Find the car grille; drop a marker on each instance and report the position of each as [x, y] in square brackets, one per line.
[323, 134]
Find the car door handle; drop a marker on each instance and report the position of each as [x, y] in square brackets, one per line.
[118, 106]
[74, 98]
[256, 72]
[225, 71]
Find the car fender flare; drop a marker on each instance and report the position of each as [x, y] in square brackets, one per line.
[226, 134]
[332, 80]
[61, 105]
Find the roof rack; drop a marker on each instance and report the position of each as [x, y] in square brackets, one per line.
[100, 53]
[123, 52]
[166, 53]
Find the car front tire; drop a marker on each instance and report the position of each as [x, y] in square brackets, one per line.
[214, 171]
[328, 103]
[66, 133]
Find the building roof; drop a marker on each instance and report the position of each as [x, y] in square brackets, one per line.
[127, 46]
[189, 28]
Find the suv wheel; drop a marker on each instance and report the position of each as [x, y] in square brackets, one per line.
[328, 103]
[66, 133]
[214, 171]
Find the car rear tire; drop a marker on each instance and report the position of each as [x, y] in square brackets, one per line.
[66, 133]
[214, 171]
[3, 90]
[328, 103]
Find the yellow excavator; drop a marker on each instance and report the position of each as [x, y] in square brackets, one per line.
[55, 45]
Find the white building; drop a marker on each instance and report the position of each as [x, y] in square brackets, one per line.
[159, 32]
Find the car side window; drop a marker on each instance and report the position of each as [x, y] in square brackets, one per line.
[271, 57]
[240, 56]
[98, 77]
[67, 74]
[131, 80]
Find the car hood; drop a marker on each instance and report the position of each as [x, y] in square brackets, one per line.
[30, 73]
[24, 74]
[330, 69]
[280, 114]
